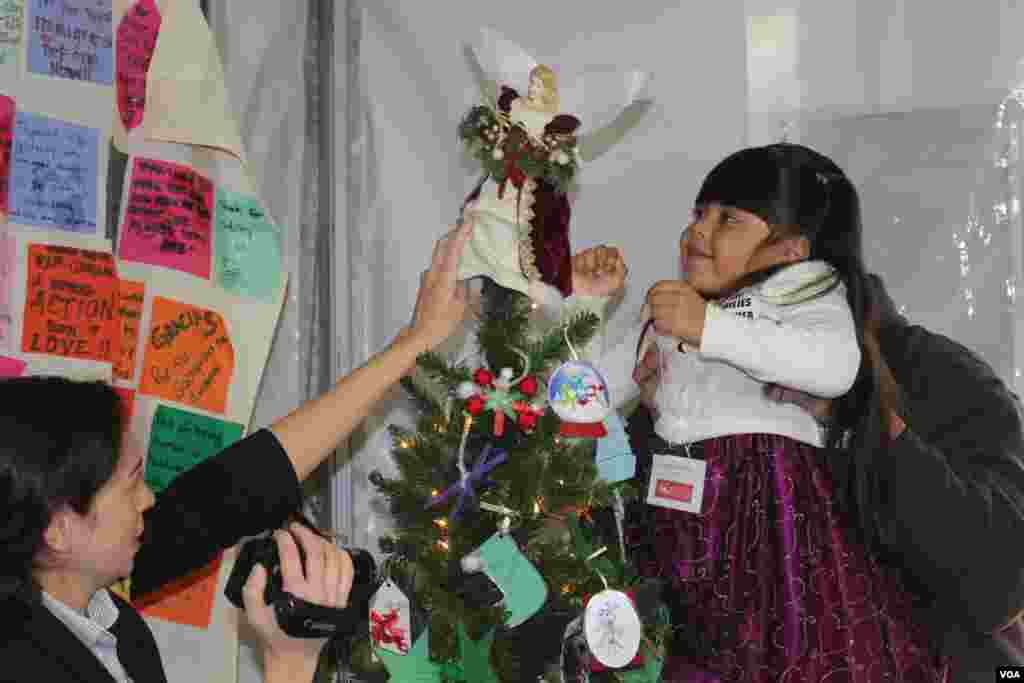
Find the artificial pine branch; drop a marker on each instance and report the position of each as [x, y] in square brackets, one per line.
[435, 366]
[424, 401]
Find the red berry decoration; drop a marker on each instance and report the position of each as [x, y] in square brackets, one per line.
[527, 421]
[475, 405]
[483, 377]
[528, 386]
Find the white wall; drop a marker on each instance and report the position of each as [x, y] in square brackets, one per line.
[903, 95]
[846, 58]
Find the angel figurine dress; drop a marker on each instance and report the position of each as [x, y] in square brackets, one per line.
[530, 148]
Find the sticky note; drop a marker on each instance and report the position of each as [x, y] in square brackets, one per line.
[136, 39]
[187, 601]
[6, 139]
[53, 174]
[188, 356]
[247, 247]
[72, 39]
[12, 22]
[167, 219]
[69, 305]
[179, 440]
[130, 300]
[11, 367]
[6, 281]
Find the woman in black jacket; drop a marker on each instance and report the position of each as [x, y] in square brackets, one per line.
[76, 514]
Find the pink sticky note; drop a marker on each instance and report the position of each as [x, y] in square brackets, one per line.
[6, 138]
[136, 38]
[167, 219]
[6, 280]
[11, 367]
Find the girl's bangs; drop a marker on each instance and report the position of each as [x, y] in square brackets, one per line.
[750, 179]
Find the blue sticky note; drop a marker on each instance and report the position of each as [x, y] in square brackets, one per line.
[72, 39]
[53, 174]
[615, 459]
[247, 247]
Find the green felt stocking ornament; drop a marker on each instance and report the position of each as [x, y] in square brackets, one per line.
[414, 667]
[476, 657]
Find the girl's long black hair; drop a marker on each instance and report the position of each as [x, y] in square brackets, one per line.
[798, 191]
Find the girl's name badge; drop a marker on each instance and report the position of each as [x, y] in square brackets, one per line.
[677, 482]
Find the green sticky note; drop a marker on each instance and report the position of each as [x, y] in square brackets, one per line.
[180, 440]
[524, 588]
[247, 247]
[414, 666]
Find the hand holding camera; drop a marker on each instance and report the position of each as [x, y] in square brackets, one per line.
[297, 584]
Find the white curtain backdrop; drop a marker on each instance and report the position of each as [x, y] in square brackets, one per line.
[921, 108]
[277, 63]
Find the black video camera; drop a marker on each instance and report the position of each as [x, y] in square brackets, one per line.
[295, 616]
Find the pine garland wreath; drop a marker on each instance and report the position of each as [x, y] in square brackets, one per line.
[500, 146]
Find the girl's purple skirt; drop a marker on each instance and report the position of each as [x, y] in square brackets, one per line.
[767, 582]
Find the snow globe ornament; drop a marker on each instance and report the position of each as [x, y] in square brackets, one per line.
[578, 394]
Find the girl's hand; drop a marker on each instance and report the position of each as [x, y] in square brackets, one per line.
[598, 271]
[647, 375]
[678, 310]
[818, 408]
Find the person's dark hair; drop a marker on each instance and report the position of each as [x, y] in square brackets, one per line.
[799, 192]
[61, 441]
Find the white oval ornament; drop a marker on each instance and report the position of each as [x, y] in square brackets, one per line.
[612, 628]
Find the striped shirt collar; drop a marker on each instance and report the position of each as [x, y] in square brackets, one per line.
[92, 628]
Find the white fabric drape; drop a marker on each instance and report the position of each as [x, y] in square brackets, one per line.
[275, 72]
[911, 104]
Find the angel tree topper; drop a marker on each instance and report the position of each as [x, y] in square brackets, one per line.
[530, 148]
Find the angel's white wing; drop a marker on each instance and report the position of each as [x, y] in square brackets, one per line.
[502, 61]
[598, 97]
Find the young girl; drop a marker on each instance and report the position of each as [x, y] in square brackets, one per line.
[760, 519]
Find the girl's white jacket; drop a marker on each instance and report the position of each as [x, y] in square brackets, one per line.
[783, 331]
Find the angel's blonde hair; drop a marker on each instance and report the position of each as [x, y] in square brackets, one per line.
[550, 81]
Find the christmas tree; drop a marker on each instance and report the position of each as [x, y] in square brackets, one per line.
[498, 503]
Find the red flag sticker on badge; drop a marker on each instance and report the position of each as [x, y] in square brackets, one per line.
[677, 483]
[674, 491]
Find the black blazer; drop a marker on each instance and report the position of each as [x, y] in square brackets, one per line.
[248, 488]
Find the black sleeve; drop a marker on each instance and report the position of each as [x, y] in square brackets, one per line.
[248, 488]
[954, 484]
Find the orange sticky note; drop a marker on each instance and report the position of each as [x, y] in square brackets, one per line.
[187, 601]
[188, 356]
[70, 303]
[131, 297]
